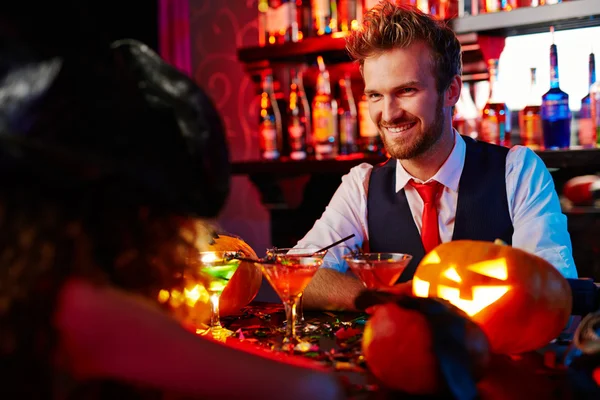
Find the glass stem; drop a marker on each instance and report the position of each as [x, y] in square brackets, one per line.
[290, 326]
[215, 320]
[299, 310]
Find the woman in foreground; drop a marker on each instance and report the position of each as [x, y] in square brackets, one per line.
[107, 158]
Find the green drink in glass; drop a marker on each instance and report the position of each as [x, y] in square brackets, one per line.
[213, 270]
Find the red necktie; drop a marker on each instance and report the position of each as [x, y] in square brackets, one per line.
[430, 233]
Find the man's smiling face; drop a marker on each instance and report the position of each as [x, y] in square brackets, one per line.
[404, 101]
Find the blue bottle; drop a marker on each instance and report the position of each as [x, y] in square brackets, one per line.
[556, 114]
[587, 130]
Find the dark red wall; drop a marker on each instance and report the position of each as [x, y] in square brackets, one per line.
[217, 29]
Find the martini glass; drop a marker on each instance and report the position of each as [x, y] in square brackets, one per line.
[378, 270]
[213, 270]
[289, 271]
[314, 251]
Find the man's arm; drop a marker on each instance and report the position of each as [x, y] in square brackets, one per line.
[331, 290]
[540, 227]
[346, 214]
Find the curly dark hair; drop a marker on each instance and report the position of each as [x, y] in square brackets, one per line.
[106, 154]
[387, 26]
[49, 235]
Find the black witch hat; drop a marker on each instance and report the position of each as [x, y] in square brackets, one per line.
[75, 110]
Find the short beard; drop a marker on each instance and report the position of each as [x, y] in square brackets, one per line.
[406, 151]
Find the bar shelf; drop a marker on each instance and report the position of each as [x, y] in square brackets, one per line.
[527, 20]
[588, 159]
[481, 36]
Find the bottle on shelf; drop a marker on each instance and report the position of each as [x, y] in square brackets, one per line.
[369, 142]
[347, 117]
[309, 141]
[492, 6]
[282, 21]
[324, 116]
[422, 5]
[595, 109]
[470, 7]
[499, 5]
[529, 3]
[296, 33]
[466, 117]
[281, 100]
[347, 15]
[458, 119]
[321, 17]
[297, 117]
[305, 18]
[263, 33]
[556, 114]
[368, 4]
[530, 117]
[333, 24]
[495, 117]
[587, 133]
[270, 128]
[443, 9]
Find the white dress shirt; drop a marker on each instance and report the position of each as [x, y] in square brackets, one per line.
[540, 227]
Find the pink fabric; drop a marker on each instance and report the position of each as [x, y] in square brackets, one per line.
[174, 33]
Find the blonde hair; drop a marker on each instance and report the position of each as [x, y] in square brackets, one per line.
[387, 26]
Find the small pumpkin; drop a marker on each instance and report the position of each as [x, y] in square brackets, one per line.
[190, 303]
[399, 346]
[245, 283]
[520, 300]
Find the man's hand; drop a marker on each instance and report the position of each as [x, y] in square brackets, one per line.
[404, 288]
[401, 288]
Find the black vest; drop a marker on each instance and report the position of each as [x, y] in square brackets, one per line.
[481, 213]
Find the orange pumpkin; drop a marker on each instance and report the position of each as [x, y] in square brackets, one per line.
[191, 303]
[245, 283]
[520, 300]
[398, 348]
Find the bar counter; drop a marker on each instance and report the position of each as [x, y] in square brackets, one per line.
[336, 344]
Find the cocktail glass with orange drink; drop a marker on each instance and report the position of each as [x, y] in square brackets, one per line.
[377, 270]
[289, 271]
[300, 322]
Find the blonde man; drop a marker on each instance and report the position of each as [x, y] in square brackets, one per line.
[438, 186]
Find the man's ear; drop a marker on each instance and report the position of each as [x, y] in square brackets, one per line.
[452, 94]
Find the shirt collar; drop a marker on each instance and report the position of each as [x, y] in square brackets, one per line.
[448, 174]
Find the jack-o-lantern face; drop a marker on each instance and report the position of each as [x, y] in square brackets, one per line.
[472, 289]
[520, 300]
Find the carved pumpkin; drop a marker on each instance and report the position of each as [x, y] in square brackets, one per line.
[398, 346]
[520, 300]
